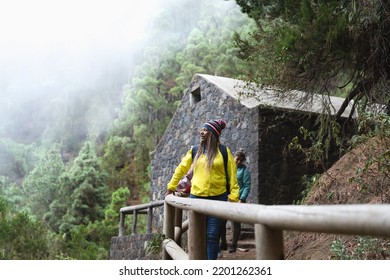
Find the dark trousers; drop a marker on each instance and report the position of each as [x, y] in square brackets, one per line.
[213, 228]
[236, 229]
[223, 244]
[236, 234]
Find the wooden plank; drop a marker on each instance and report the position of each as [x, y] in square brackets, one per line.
[269, 243]
[168, 229]
[174, 250]
[197, 236]
[135, 219]
[353, 219]
[121, 224]
[130, 209]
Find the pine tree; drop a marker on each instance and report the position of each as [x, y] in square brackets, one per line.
[83, 194]
[42, 184]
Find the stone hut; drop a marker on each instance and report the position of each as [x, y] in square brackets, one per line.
[263, 125]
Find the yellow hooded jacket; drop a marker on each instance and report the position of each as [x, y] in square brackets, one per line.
[206, 183]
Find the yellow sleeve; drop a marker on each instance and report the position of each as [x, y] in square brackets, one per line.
[232, 171]
[180, 171]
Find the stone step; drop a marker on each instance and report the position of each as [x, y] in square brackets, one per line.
[247, 236]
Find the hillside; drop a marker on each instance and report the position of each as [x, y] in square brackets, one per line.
[353, 179]
[360, 176]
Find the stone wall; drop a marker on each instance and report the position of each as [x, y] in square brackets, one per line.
[281, 169]
[131, 247]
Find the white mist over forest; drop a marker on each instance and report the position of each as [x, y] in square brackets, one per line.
[52, 51]
[68, 70]
[59, 58]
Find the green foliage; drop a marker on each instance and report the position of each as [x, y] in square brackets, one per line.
[145, 188]
[53, 218]
[339, 250]
[274, 8]
[86, 188]
[154, 246]
[324, 47]
[42, 184]
[21, 238]
[373, 124]
[321, 141]
[118, 200]
[116, 163]
[83, 194]
[84, 243]
[158, 83]
[12, 193]
[209, 47]
[16, 159]
[366, 248]
[91, 241]
[375, 128]
[308, 182]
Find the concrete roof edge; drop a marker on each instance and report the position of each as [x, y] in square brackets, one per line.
[267, 96]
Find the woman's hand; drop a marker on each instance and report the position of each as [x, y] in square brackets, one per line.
[168, 192]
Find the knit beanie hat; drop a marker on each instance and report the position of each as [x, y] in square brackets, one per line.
[215, 126]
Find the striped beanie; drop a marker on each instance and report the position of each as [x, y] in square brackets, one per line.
[215, 126]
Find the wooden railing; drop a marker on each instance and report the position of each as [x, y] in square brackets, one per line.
[269, 223]
[146, 208]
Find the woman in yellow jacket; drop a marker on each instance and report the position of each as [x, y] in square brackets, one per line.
[209, 178]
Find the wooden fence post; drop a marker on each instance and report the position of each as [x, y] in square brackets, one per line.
[135, 218]
[150, 219]
[197, 236]
[178, 225]
[269, 243]
[121, 224]
[168, 229]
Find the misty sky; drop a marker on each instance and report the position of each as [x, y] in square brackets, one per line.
[48, 43]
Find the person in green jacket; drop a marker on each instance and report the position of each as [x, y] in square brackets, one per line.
[244, 181]
[209, 180]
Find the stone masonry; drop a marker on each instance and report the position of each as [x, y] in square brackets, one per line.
[131, 247]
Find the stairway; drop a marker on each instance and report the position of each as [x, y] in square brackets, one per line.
[246, 244]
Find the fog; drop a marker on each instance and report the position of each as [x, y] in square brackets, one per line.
[64, 63]
[50, 49]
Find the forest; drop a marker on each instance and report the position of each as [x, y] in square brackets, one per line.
[74, 152]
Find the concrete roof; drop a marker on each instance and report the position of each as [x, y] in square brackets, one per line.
[253, 96]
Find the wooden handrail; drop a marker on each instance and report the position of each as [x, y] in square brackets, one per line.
[271, 221]
[129, 209]
[146, 208]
